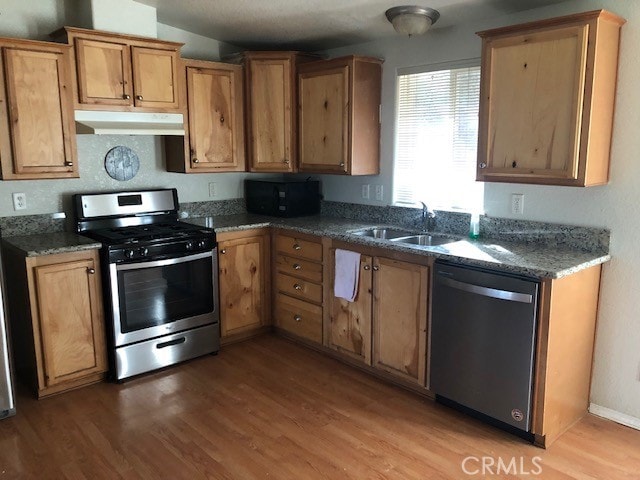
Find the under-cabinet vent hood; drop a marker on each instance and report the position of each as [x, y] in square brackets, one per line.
[128, 123]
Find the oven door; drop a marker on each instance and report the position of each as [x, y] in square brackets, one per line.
[155, 298]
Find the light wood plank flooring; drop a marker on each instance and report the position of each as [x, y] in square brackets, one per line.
[269, 409]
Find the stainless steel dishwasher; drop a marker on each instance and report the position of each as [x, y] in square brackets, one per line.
[482, 343]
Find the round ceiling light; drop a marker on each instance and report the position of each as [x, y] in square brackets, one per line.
[412, 20]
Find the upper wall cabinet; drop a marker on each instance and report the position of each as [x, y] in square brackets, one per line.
[122, 72]
[270, 99]
[546, 100]
[339, 116]
[37, 137]
[214, 129]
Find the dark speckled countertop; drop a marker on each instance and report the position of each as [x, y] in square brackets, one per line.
[51, 243]
[525, 258]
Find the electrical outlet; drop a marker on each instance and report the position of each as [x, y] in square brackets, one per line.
[379, 193]
[517, 203]
[365, 191]
[212, 189]
[19, 201]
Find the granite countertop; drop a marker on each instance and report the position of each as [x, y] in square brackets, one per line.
[51, 243]
[525, 258]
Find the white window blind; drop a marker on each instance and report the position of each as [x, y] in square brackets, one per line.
[436, 139]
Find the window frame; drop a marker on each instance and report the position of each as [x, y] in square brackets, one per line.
[418, 69]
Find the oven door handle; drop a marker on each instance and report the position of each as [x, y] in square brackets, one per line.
[163, 263]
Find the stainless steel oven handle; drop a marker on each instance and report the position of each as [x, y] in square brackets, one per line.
[486, 291]
[162, 263]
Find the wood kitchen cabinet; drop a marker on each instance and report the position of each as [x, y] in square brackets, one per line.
[123, 72]
[298, 286]
[339, 115]
[386, 326]
[37, 133]
[214, 130]
[57, 320]
[270, 100]
[547, 99]
[243, 259]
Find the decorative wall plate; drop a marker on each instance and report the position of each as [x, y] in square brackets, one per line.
[121, 163]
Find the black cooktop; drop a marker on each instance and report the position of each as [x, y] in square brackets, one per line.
[148, 233]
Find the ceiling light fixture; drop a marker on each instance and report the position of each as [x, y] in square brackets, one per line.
[412, 20]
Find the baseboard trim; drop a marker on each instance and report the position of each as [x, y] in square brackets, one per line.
[621, 418]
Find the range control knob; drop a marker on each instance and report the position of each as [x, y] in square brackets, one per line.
[129, 253]
[144, 251]
[189, 246]
[202, 244]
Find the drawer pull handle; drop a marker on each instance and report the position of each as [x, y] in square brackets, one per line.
[296, 266]
[195, 160]
[68, 164]
[171, 343]
[297, 318]
[297, 286]
[91, 271]
[126, 96]
[483, 165]
[296, 246]
[367, 267]
[376, 268]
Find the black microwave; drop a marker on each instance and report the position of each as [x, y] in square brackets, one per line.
[283, 198]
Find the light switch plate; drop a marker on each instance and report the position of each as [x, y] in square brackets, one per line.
[212, 189]
[365, 191]
[379, 193]
[517, 203]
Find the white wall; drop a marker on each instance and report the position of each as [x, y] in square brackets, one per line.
[24, 19]
[616, 377]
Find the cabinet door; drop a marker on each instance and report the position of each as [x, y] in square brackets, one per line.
[243, 271]
[40, 111]
[531, 105]
[324, 120]
[104, 73]
[71, 326]
[350, 329]
[400, 318]
[214, 119]
[155, 77]
[270, 116]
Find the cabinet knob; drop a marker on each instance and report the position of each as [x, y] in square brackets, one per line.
[221, 119]
[367, 267]
[342, 164]
[223, 251]
[483, 165]
[139, 97]
[195, 160]
[91, 270]
[297, 266]
[376, 268]
[296, 246]
[297, 318]
[297, 286]
[68, 164]
[285, 161]
[126, 96]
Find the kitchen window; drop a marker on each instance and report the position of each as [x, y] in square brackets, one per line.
[436, 137]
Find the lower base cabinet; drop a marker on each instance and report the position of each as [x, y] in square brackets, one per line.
[57, 320]
[243, 261]
[386, 324]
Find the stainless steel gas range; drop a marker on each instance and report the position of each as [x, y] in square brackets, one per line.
[159, 279]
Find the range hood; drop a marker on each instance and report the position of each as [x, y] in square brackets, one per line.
[128, 123]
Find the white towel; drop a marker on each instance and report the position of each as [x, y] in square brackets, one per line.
[347, 273]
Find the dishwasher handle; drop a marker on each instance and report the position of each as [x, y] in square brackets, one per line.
[486, 291]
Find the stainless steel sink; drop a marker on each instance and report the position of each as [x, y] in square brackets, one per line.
[382, 233]
[424, 240]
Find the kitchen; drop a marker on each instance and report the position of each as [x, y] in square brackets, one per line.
[615, 387]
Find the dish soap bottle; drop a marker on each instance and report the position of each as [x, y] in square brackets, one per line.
[474, 226]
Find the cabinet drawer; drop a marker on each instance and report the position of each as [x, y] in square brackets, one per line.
[298, 317]
[299, 248]
[296, 287]
[299, 268]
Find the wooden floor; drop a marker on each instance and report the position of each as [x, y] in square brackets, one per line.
[270, 409]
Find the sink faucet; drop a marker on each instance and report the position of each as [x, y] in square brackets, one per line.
[428, 216]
